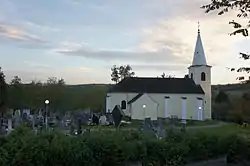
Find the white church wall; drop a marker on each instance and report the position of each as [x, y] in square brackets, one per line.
[175, 104]
[145, 107]
[116, 98]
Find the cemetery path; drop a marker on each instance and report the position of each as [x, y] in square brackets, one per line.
[207, 126]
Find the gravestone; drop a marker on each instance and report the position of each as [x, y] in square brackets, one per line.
[72, 128]
[183, 123]
[26, 111]
[95, 119]
[9, 126]
[174, 120]
[160, 129]
[103, 120]
[84, 116]
[148, 125]
[110, 120]
[79, 126]
[117, 114]
[17, 118]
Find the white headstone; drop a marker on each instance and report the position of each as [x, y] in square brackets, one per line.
[9, 126]
[27, 111]
[17, 113]
[103, 120]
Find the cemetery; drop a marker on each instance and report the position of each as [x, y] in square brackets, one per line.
[86, 138]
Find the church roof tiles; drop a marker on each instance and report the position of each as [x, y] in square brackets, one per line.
[157, 85]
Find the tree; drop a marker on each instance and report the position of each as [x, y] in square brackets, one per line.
[16, 81]
[243, 8]
[121, 72]
[16, 89]
[52, 81]
[125, 71]
[35, 82]
[3, 92]
[115, 74]
[166, 76]
[61, 81]
[163, 75]
[222, 97]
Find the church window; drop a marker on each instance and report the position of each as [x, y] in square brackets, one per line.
[203, 76]
[123, 104]
[192, 76]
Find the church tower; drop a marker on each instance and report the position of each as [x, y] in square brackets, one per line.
[200, 72]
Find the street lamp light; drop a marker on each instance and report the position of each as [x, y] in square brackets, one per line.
[46, 102]
[46, 116]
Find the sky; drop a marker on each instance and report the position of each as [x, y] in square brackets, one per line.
[80, 40]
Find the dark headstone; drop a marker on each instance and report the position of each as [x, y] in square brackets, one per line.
[117, 114]
[160, 129]
[95, 119]
[148, 125]
[79, 126]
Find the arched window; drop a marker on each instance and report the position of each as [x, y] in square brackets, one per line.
[203, 76]
[123, 104]
[192, 76]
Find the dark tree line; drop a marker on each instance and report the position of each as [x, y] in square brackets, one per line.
[3, 92]
[62, 97]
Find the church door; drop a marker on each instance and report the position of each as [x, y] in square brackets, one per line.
[200, 110]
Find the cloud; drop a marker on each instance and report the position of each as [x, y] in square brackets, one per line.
[17, 34]
[36, 65]
[116, 55]
[159, 67]
[178, 34]
[41, 27]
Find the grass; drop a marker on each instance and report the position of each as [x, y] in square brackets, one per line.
[221, 130]
[227, 129]
[139, 123]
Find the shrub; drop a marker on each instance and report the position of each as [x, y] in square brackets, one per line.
[116, 148]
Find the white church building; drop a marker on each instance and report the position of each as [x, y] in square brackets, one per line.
[185, 98]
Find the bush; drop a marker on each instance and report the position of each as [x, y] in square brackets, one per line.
[239, 151]
[114, 148]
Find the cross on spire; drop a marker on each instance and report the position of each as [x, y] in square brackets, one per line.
[198, 26]
[199, 55]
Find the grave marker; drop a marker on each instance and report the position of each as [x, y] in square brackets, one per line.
[103, 120]
[117, 114]
[160, 129]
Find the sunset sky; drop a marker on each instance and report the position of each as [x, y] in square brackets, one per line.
[80, 40]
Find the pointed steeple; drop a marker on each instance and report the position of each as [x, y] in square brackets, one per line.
[199, 55]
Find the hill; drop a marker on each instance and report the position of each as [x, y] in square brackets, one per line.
[232, 89]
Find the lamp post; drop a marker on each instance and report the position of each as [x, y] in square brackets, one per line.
[46, 117]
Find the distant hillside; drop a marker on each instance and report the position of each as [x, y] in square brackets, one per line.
[232, 89]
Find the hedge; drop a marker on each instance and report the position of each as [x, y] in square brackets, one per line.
[115, 149]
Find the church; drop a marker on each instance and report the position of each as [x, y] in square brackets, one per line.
[186, 98]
